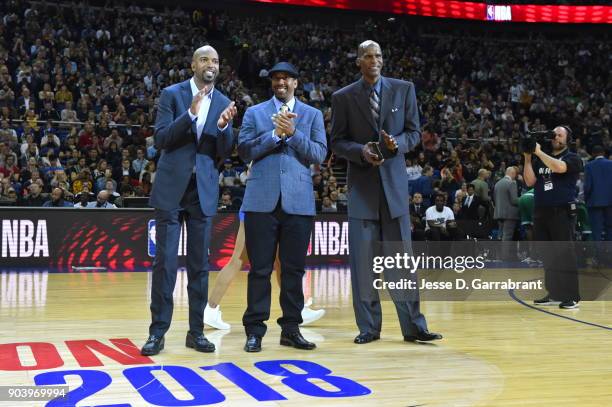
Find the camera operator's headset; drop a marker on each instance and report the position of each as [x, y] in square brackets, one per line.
[568, 130]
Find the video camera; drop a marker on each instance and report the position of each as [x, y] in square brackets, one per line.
[543, 138]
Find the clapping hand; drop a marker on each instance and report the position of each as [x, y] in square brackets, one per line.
[285, 126]
[227, 115]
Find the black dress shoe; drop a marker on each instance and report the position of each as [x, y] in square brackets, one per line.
[153, 346]
[296, 340]
[253, 343]
[424, 336]
[199, 343]
[366, 338]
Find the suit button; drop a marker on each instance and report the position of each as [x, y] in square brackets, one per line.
[282, 171]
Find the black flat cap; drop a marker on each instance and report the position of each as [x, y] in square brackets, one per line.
[284, 67]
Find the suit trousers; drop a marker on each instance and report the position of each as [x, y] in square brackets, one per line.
[556, 224]
[363, 238]
[264, 232]
[168, 226]
[506, 228]
[600, 218]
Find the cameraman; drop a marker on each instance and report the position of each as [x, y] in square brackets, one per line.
[554, 177]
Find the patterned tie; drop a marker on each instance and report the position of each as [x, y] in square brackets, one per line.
[374, 105]
[283, 109]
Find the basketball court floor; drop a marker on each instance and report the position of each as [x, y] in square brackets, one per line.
[84, 330]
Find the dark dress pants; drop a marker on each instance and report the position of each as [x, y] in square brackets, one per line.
[263, 233]
[168, 229]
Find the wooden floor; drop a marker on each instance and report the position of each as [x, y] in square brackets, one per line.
[495, 353]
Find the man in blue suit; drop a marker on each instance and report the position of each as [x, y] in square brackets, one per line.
[193, 128]
[282, 137]
[375, 122]
[598, 194]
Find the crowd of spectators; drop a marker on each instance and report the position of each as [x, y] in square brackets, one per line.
[79, 87]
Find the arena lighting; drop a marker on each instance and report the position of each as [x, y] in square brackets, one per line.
[522, 13]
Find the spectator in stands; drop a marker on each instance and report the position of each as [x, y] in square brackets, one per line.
[327, 205]
[440, 221]
[140, 162]
[111, 188]
[50, 143]
[227, 177]
[101, 201]
[9, 167]
[417, 217]
[83, 180]
[424, 185]
[226, 203]
[8, 136]
[57, 200]
[126, 192]
[8, 195]
[413, 169]
[149, 169]
[35, 197]
[125, 170]
[481, 187]
[115, 138]
[25, 101]
[83, 200]
[470, 206]
[68, 114]
[113, 155]
[59, 177]
[49, 113]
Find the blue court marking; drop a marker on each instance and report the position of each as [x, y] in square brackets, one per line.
[515, 298]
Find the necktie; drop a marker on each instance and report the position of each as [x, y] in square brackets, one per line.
[283, 109]
[374, 105]
[468, 201]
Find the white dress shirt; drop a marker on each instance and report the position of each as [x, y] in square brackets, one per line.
[204, 108]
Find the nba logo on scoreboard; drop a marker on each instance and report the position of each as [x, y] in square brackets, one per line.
[152, 232]
[499, 13]
[151, 238]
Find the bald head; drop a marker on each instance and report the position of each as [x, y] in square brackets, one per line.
[206, 49]
[103, 196]
[511, 172]
[205, 66]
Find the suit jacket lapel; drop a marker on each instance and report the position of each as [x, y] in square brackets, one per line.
[297, 109]
[214, 112]
[363, 101]
[187, 97]
[270, 109]
[386, 100]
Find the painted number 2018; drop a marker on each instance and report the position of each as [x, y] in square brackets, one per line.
[153, 391]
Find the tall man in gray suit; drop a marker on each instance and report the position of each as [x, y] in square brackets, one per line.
[505, 195]
[376, 109]
[282, 136]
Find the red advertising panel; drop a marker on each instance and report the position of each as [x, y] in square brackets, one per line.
[526, 13]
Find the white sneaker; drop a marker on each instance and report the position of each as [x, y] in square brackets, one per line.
[212, 317]
[310, 315]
